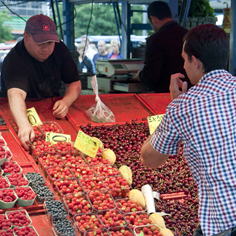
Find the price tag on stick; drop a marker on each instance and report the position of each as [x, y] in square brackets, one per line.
[56, 137]
[33, 117]
[86, 144]
[153, 122]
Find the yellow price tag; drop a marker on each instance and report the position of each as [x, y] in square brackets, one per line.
[33, 117]
[153, 122]
[86, 144]
[56, 137]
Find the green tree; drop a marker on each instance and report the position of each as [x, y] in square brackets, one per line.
[103, 20]
[200, 8]
[5, 31]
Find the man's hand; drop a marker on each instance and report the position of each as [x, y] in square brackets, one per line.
[60, 109]
[26, 135]
[177, 86]
[16, 100]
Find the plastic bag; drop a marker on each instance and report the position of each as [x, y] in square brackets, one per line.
[99, 112]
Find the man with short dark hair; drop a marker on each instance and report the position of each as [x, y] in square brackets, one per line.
[34, 68]
[163, 49]
[203, 119]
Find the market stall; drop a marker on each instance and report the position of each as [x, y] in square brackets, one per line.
[61, 176]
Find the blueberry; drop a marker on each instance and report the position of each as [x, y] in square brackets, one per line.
[63, 226]
[35, 178]
[56, 209]
[42, 191]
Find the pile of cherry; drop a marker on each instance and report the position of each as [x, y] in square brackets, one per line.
[173, 176]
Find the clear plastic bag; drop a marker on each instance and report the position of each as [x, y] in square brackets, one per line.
[99, 112]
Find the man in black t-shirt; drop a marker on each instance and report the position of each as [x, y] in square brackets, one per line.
[163, 49]
[34, 68]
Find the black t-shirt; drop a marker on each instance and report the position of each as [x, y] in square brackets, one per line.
[38, 79]
[163, 57]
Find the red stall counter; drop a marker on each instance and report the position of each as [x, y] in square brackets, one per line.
[44, 109]
[156, 101]
[124, 106]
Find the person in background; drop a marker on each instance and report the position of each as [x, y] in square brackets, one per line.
[163, 49]
[204, 120]
[93, 46]
[108, 48]
[115, 45]
[85, 65]
[34, 68]
[90, 51]
[102, 54]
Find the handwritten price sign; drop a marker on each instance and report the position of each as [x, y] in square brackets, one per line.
[33, 117]
[56, 137]
[153, 122]
[86, 144]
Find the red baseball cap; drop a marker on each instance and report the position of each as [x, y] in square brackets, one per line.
[42, 29]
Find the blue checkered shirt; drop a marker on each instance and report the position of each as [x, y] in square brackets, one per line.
[204, 119]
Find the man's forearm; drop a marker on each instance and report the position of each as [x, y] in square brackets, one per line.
[150, 157]
[72, 93]
[17, 107]
[16, 99]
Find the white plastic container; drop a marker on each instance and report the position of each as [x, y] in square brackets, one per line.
[32, 227]
[6, 181]
[22, 202]
[5, 173]
[6, 205]
[26, 213]
[13, 186]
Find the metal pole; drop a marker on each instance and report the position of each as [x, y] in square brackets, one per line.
[59, 18]
[125, 47]
[144, 33]
[53, 12]
[186, 12]
[173, 4]
[117, 24]
[68, 27]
